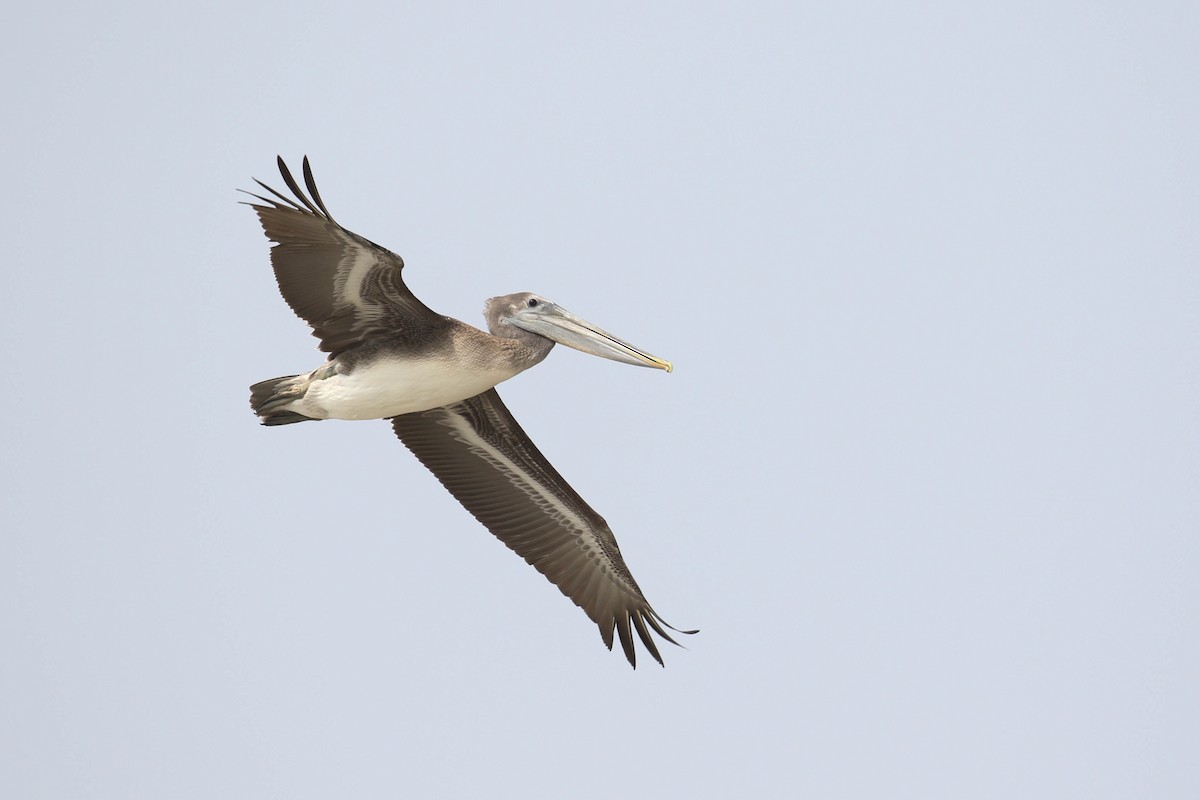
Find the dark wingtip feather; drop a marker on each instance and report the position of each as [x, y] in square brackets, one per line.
[626, 636]
[294, 186]
[644, 635]
[286, 202]
[606, 634]
[312, 190]
[301, 202]
[653, 614]
[654, 620]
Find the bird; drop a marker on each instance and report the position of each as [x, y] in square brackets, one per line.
[434, 378]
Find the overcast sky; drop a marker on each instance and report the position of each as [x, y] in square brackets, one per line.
[926, 477]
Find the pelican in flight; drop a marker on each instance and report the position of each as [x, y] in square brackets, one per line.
[392, 357]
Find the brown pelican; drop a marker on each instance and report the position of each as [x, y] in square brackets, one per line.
[392, 357]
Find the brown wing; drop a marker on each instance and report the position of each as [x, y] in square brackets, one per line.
[481, 455]
[346, 287]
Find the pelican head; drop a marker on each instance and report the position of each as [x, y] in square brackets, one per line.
[541, 317]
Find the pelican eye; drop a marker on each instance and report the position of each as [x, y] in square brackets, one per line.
[532, 302]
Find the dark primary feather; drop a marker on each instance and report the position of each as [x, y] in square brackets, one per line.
[348, 288]
[483, 457]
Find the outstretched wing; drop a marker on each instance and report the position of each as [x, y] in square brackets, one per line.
[346, 287]
[481, 455]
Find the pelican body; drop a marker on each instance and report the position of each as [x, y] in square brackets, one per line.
[434, 378]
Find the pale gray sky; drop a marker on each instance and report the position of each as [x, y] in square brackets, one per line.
[927, 476]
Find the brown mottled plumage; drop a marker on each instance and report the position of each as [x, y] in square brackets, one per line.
[434, 377]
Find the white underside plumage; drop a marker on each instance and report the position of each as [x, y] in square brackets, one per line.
[390, 387]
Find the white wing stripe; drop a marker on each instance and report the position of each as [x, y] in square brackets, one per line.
[554, 508]
[349, 281]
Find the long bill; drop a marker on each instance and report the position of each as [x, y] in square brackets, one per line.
[556, 323]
